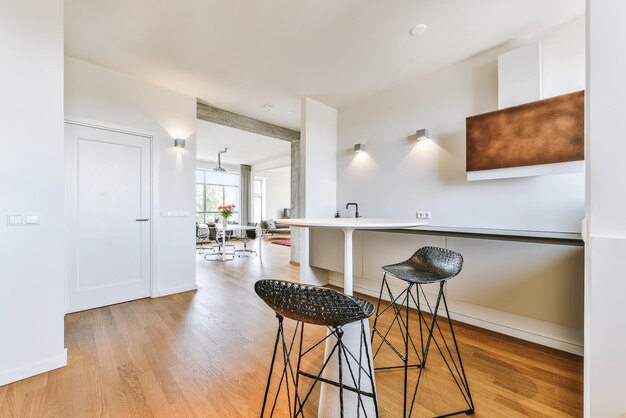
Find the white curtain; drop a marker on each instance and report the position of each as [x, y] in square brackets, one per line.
[245, 181]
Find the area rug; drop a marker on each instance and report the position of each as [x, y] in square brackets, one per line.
[284, 242]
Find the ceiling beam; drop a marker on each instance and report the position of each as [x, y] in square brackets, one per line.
[208, 113]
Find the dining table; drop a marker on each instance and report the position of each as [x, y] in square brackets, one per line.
[329, 405]
[222, 254]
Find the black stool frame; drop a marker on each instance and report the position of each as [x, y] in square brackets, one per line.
[412, 293]
[343, 354]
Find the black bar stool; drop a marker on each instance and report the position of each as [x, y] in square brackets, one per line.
[317, 306]
[429, 265]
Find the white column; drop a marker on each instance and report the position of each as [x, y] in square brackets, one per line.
[318, 176]
[605, 282]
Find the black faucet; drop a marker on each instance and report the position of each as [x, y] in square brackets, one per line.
[357, 208]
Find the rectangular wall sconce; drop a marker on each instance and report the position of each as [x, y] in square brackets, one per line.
[179, 143]
[423, 134]
[359, 147]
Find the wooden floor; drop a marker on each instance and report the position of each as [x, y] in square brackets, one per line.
[206, 354]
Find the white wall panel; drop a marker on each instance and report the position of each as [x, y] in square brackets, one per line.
[31, 181]
[327, 250]
[540, 281]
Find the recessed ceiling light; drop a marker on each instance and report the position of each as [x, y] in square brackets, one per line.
[418, 29]
[268, 107]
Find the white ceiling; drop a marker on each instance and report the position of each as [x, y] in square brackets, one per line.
[243, 147]
[240, 54]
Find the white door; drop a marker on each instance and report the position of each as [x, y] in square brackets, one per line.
[108, 187]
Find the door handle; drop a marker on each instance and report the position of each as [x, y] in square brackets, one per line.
[142, 219]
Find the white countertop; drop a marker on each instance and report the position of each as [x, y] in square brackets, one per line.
[503, 232]
[354, 223]
[418, 225]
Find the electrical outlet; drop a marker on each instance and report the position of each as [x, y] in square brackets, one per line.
[423, 215]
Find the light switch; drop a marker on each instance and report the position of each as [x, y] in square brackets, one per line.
[176, 214]
[32, 220]
[13, 220]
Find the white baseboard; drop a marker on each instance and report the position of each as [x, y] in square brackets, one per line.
[34, 369]
[540, 332]
[177, 289]
[545, 333]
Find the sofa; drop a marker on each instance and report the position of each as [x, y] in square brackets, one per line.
[270, 227]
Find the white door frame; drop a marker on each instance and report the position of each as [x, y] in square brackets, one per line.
[70, 219]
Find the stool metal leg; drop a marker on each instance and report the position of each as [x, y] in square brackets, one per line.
[347, 354]
[420, 317]
[401, 305]
[316, 378]
[287, 373]
[427, 349]
[406, 348]
[339, 354]
[287, 362]
[296, 399]
[460, 378]
[398, 305]
[344, 355]
[369, 367]
[269, 377]
[380, 298]
[469, 399]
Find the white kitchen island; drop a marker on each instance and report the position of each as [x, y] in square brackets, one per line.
[329, 395]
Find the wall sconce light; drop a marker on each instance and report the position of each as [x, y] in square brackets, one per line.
[179, 143]
[359, 147]
[423, 134]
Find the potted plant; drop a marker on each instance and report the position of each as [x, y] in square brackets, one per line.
[226, 211]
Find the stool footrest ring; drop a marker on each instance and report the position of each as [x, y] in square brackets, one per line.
[397, 367]
[333, 383]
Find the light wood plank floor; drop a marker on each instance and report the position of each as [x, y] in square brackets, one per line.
[206, 354]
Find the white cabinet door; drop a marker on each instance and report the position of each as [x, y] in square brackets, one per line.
[108, 186]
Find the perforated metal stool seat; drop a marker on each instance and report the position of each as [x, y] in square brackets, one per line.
[427, 266]
[312, 304]
[315, 305]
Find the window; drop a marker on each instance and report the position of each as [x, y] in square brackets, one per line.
[259, 199]
[214, 189]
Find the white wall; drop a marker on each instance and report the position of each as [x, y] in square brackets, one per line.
[605, 323]
[397, 176]
[279, 162]
[31, 181]
[97, 93]
[277, 191]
